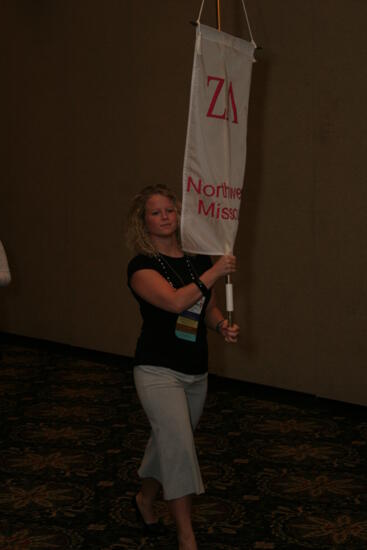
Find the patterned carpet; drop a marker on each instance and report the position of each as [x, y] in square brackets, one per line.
[282, 470]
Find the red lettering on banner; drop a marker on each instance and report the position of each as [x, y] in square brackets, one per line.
[201, 208]
[190, 182]
[224, 115]
[209, 190]
[218, 89]
[233, 103]
[216, 210]
[225, 213]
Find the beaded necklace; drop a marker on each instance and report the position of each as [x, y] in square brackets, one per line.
[164, 263]
[187, 323]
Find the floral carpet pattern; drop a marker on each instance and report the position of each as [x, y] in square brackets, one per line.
[282, 470]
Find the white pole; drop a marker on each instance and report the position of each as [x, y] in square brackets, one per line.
[229, 300]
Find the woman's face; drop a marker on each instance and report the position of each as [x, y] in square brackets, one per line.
[160, 216]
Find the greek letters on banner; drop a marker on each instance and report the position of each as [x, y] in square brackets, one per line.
[215, 153]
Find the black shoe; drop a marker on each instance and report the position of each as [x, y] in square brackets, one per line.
[150, 529]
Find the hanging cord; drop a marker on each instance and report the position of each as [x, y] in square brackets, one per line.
[200, 12]
[197, 22]
[248, 24]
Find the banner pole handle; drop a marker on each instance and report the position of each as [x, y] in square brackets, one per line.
[229, 300]
[218, 15]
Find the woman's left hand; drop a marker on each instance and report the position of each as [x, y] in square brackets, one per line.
[230, 334]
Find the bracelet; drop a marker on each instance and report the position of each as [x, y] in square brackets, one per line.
[203, 288]
[218, 325]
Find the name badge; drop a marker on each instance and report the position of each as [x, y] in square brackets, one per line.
[188, 321]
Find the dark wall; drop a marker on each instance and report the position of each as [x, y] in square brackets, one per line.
[94, 106]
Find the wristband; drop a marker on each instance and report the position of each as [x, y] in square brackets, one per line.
[203, 288]
[218, 325]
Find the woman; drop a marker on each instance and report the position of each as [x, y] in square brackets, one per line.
[177, 303]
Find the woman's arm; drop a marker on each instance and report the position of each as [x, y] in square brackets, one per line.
[5, 276]
[154, 288]
[215, 320]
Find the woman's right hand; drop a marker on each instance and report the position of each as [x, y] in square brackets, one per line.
[225, 265]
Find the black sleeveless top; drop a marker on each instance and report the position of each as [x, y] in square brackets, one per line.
[158, 344]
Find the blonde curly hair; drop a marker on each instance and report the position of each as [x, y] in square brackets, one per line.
[137, 235]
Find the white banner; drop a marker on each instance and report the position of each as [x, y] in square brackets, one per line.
[215, 153]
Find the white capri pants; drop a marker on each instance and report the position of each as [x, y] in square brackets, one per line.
[173, 403]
